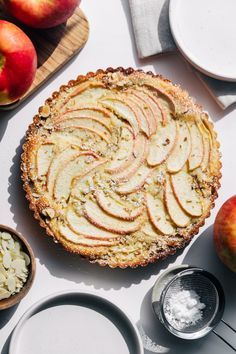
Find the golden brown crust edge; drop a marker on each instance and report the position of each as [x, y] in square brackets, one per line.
[84, 252]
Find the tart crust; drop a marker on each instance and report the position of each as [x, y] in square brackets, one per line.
[132, 248]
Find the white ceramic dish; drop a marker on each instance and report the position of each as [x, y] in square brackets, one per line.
[205, 33]
[75, 322]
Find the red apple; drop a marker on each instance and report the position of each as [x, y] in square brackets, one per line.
[225, 233]
[41, 13]
[18, 63]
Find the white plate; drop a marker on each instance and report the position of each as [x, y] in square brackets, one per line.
[75, 322]
[205, 33]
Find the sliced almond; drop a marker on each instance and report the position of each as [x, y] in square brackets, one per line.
[182, 184]
[178, 216]
[162, 143]
[158, 215]
[196, 154]
[180, 153]
[100, 219]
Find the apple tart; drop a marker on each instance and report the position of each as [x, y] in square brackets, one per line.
[121, 167]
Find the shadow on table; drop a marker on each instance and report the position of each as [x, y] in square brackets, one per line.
[5, 348]
[60, 263]
[157, 339]
[5, 315]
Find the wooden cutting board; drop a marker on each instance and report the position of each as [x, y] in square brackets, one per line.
[55, 46]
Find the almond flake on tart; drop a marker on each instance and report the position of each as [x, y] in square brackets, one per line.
[121, 167]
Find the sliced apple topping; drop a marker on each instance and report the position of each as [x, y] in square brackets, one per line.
[77, 167]
[158, 215]
[180, 153]
[214, 162]
[99, 218]
[139, 155]
[124, 155]
[196, 154]
[85, 86]
[159, 111]
[118, 209]
[89, 109]
[184, 191]
[86, 124]
[177, 214]
[72, 236]
[81, 226]
[57, 163]
[206, 146]
[118, 105]
[148, 108]
[82, 116]
[164, 96]
[135, 182]
[138, 108]
[44, 157]
[162, 143]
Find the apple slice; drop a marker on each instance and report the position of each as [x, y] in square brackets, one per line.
[124, 155]
[196, 154]
[160, 113]
[81, 226]
[82, 116]
[88, 122]
[163, 95]
[182, 184]
[85, 124]
[139, 155]
[112, 207]
[90, 109]
[206, 146]
[214, 160]
[180, 153]
[71, 236]
[44, 157]
[162, 143]
[77, 167]
[122, 110]
[135, 182]
[57, 163]
[85, 86]
[158, 215]
[178, 216]
[148, 109]
[137, 106]
[102, 220]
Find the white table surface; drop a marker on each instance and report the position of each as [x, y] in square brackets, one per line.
[111, 44]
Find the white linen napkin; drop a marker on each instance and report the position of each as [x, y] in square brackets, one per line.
[152, 33]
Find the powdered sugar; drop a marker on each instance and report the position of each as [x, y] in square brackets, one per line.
[184, 309]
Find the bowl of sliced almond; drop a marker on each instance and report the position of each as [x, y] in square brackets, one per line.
[17, 267]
